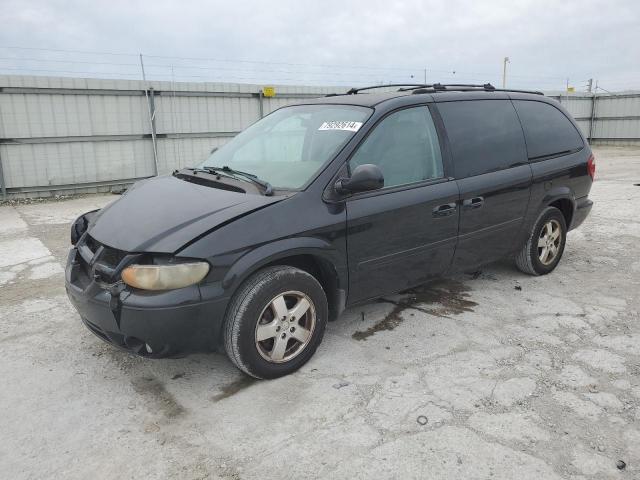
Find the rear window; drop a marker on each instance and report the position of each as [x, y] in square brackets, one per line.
[485, 136]
[547, 130]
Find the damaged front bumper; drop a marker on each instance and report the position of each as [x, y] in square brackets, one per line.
[151, 324]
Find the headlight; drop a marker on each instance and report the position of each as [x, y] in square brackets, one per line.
[164, 277]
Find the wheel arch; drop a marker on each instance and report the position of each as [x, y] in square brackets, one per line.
[562, 198]
[566, 206]
[315, 256]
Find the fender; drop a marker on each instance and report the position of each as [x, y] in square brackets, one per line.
[558, 193]
[287, 247]
[81, 224]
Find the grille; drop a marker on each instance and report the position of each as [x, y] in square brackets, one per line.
[109, 256]
[103, 258]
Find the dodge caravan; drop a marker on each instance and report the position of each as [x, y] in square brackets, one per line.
[325, 204]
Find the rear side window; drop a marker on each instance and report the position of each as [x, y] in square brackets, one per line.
[547, 130]
[405, 147]
[485, 136]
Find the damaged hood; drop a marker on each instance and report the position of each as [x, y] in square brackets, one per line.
[163, 214]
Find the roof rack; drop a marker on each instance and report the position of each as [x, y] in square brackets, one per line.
[440, 86]
[462, 87]
[354, 91]
[437, 87]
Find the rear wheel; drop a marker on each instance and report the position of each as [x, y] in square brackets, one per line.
[545, 245]
[275, 322]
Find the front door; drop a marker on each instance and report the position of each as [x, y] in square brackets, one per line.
[404, 234]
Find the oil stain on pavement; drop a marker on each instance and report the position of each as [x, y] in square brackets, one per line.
[441, 298]
[233, 388]
[155, 391]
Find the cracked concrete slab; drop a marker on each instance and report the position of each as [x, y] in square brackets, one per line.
[466, 377]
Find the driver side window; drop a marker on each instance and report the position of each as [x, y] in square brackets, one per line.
[404, 146]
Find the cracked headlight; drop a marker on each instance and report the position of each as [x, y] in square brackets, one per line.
[164, 277]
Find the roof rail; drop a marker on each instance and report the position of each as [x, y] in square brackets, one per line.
[462, 87]
[437, 87]
[440, 86]
[354, 91]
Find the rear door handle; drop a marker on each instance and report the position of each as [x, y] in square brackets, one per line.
[444, 210]
[475, 202]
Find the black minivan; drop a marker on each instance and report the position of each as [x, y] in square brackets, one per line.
[325, 204]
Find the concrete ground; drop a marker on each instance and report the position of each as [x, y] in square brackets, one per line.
[493, 375]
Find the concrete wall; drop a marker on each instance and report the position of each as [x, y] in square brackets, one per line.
[71, 135]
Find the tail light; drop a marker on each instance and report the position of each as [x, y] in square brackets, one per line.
[591, 167]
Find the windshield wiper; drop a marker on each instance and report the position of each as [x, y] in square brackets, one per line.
[268, 189]
[209, 170]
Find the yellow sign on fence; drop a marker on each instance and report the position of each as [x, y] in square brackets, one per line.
[269, 91]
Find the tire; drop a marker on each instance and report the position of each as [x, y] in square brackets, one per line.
[279, 291]
[530, 258]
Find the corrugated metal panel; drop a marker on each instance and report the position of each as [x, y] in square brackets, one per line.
[616, 129]
[176, 153]
[41, 115]
[620, 142]
[204, 114]
[63, 134]
[584, 126]
[77, 162]
[618, 107]
[578, 107]
[67, 128]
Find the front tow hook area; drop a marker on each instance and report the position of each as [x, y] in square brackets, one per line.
[140, 347]
[115, 303]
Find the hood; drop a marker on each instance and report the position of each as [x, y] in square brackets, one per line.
[164, 213]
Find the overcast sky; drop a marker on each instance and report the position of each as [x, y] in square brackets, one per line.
[328, 42]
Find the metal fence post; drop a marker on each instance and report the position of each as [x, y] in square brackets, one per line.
[261, 98]
[593, 116]
[2, 182]
[151, 106]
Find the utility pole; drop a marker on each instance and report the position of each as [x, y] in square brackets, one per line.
[589, 85]
[504, 71]
[425, 76]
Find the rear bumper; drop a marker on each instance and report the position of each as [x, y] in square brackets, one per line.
[151, 324]
[583, 207]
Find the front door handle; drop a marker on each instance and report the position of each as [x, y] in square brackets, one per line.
[475, 202]
[444, 210]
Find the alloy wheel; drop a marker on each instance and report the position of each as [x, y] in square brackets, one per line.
[549, 242]
[285, 327]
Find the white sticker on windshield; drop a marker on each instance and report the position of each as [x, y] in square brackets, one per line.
[349, 126]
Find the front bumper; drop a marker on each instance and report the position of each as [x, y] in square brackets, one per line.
[151, 324]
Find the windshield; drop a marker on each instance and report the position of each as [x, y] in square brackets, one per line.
[288, 147]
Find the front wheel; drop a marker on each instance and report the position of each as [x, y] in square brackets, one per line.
[275, 322]
[545, 245]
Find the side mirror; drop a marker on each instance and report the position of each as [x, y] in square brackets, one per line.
[363, 179]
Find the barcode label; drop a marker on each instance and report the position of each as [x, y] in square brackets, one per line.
[349, 126]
